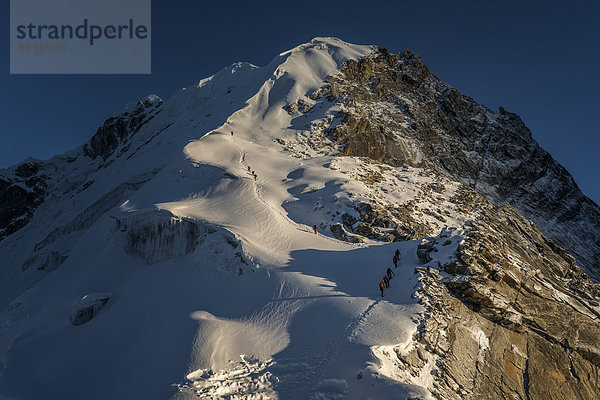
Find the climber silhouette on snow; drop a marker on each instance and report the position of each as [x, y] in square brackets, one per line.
[386, 280]
[390, 273]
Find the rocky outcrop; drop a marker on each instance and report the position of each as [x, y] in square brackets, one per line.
[376, 221]
[119, 129]
[394, 110]
[341, 234]
[513, 316]
[47, 260]
[424, 250]
[22, 189]
[301, 106]
[88, 307]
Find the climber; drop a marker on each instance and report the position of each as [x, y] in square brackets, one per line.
[395, 261]
[382, 288]
[386, 280]
[231, 133]
[397, 253]
[315, 228]
[390, 273]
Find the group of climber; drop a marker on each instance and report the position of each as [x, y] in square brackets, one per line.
[253, 173]
[385, 282]
[250, 170]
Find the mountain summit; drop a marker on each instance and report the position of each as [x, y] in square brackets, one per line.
[230, 243]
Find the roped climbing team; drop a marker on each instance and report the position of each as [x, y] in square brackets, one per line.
[389, 274]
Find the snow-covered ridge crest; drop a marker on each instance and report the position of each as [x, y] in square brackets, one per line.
[148, 101]
[340, 50]
[236, 67]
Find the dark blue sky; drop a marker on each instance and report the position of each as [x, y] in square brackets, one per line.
[538, 59]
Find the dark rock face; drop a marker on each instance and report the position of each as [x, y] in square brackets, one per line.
[48, 260]
[340, 233]
[22, 190]
[372, 219]
[88, 307]
[424, 250]
[348, 219]
[397, 112]
[120, 129]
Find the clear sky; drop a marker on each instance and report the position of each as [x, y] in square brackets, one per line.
[536, 58]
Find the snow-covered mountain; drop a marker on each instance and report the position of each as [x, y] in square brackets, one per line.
[173, 255]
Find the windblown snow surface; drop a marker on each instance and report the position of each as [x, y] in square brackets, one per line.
[218, 287]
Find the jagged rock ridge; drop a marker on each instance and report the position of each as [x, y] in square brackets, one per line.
[533, 314]
[394, 110]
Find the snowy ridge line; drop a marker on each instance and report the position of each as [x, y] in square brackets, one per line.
[257, 188]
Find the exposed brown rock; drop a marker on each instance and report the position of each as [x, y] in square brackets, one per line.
[518, 320]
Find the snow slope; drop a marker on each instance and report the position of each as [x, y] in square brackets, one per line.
[219, 288]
